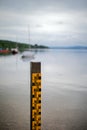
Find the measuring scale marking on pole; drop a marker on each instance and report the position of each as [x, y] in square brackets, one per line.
[35, 96]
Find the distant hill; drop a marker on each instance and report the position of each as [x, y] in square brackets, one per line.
[22, 46]
[70, 47]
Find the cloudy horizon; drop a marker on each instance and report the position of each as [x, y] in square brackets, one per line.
[48, 22]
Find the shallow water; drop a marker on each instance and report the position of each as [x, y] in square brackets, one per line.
[64, 90]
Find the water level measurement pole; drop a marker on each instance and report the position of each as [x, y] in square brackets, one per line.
[35, 96]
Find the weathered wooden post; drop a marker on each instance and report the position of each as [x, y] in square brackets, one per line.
[35, 96]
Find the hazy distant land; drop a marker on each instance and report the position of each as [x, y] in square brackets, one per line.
[24, 46]
[70, 47]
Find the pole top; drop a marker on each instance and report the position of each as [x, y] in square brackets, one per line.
[35, 67]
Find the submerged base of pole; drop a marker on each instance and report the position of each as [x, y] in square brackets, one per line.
[35, 96]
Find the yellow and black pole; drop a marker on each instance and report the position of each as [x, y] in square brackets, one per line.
[35, 96]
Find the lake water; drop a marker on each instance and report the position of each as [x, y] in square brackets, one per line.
[64, 90]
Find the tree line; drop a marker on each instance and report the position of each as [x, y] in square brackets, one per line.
[4, 44]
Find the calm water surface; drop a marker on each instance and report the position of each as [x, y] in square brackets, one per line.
[64, 90]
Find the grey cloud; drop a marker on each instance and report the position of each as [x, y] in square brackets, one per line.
[43, 16]
[59, 22]
[39, 25]
[43, 5]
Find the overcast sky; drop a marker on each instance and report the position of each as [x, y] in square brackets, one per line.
[48, 22]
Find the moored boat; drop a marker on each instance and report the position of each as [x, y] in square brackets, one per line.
[4, 51]
[14, 51]
[27, 56]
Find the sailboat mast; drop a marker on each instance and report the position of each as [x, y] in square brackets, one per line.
[29, 35]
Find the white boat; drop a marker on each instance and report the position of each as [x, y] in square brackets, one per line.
[28, 55]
